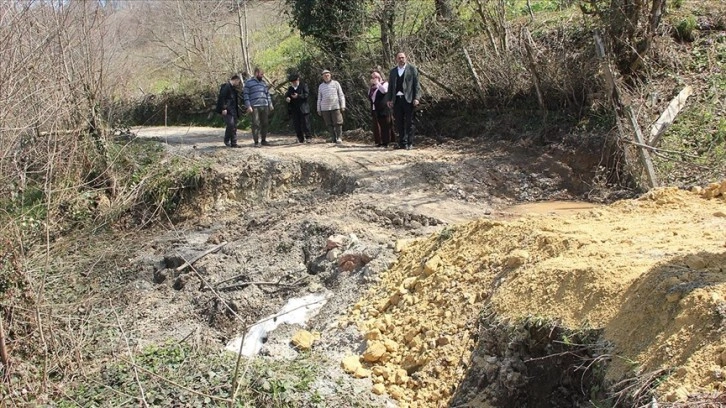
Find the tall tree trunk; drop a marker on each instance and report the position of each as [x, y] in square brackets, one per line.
[388, 34]
[243, 34]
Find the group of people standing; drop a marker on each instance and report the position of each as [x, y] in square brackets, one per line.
[257, 100]
[391, 102]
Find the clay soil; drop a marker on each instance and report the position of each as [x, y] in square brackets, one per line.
[434, 236]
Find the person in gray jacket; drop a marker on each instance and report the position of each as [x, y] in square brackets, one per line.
[259, 104]
[331, 105]
[403, 93]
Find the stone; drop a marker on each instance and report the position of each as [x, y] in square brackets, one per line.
[378, 389]
[352, 259]
[374, 352]
[361, 373]
[336, 241]
[516, 258]
[395, 392]
[432, 265]
[695, 262]
[303, 340]
[350, 364]
[332, 255]
[374, 334]
[391, 346]
[400, 377]
[679, 394]
[402, 244]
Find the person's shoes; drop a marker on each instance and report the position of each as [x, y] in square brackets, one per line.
[226, 143]
[265, 143]
[300, 141]
[379, 144]
[257, 144]
[385, 145]
[338, 141]
[408, 147]
[235, 146]
[308, 140]
[400, 147]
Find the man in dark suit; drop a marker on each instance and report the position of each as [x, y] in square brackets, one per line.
[228, 106]
[297, 100]
[403, 93]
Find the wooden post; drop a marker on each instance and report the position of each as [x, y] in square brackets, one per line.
[669, 115]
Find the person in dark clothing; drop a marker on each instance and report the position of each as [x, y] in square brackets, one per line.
[297, 104]
[380, 111]
[403, 93]
[228, 106]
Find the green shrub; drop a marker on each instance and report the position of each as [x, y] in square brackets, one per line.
[685, 29]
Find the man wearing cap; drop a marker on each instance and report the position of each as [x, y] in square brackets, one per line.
[297, 99]
[403, 93]
[259, 104]
[331, 105]
[228, 106]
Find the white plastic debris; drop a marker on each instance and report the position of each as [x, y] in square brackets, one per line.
[296, 311]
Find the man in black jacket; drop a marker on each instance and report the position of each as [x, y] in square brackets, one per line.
[297, 100]
[228, 106]
[404, 91]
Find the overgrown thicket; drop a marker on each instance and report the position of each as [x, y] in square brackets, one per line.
[518, 70]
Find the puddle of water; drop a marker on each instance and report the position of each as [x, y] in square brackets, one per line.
[547, 207]
[296, 311]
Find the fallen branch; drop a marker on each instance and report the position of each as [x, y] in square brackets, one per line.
[245, 284]
[658, 149]
[142, 397]
[198, 257]
[4, 359]
[436, 81]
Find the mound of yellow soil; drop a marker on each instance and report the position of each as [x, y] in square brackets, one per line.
[650, 271]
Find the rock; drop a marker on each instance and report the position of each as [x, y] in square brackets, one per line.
[374, 352]
[160, 275]
[516, 258]
[303, 340]
[395, 392]
[361, 373]
[333, 254]
[400, 377]
[402, 244]
[378, 389]
[352, 259]
[350, 364]
[442, 341]
[374, 334]
[391, 346]
[432, 265]
[181, 281]
[336, 241]
[679, 394]
[695, 262]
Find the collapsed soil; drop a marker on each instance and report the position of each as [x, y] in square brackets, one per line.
[649, 271]
[434, 241]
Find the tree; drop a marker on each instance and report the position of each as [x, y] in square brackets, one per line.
[333, 27]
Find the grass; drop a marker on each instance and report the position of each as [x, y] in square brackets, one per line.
[177, 374]
[700, 129]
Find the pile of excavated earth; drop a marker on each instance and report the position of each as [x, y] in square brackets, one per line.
[649, 272]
